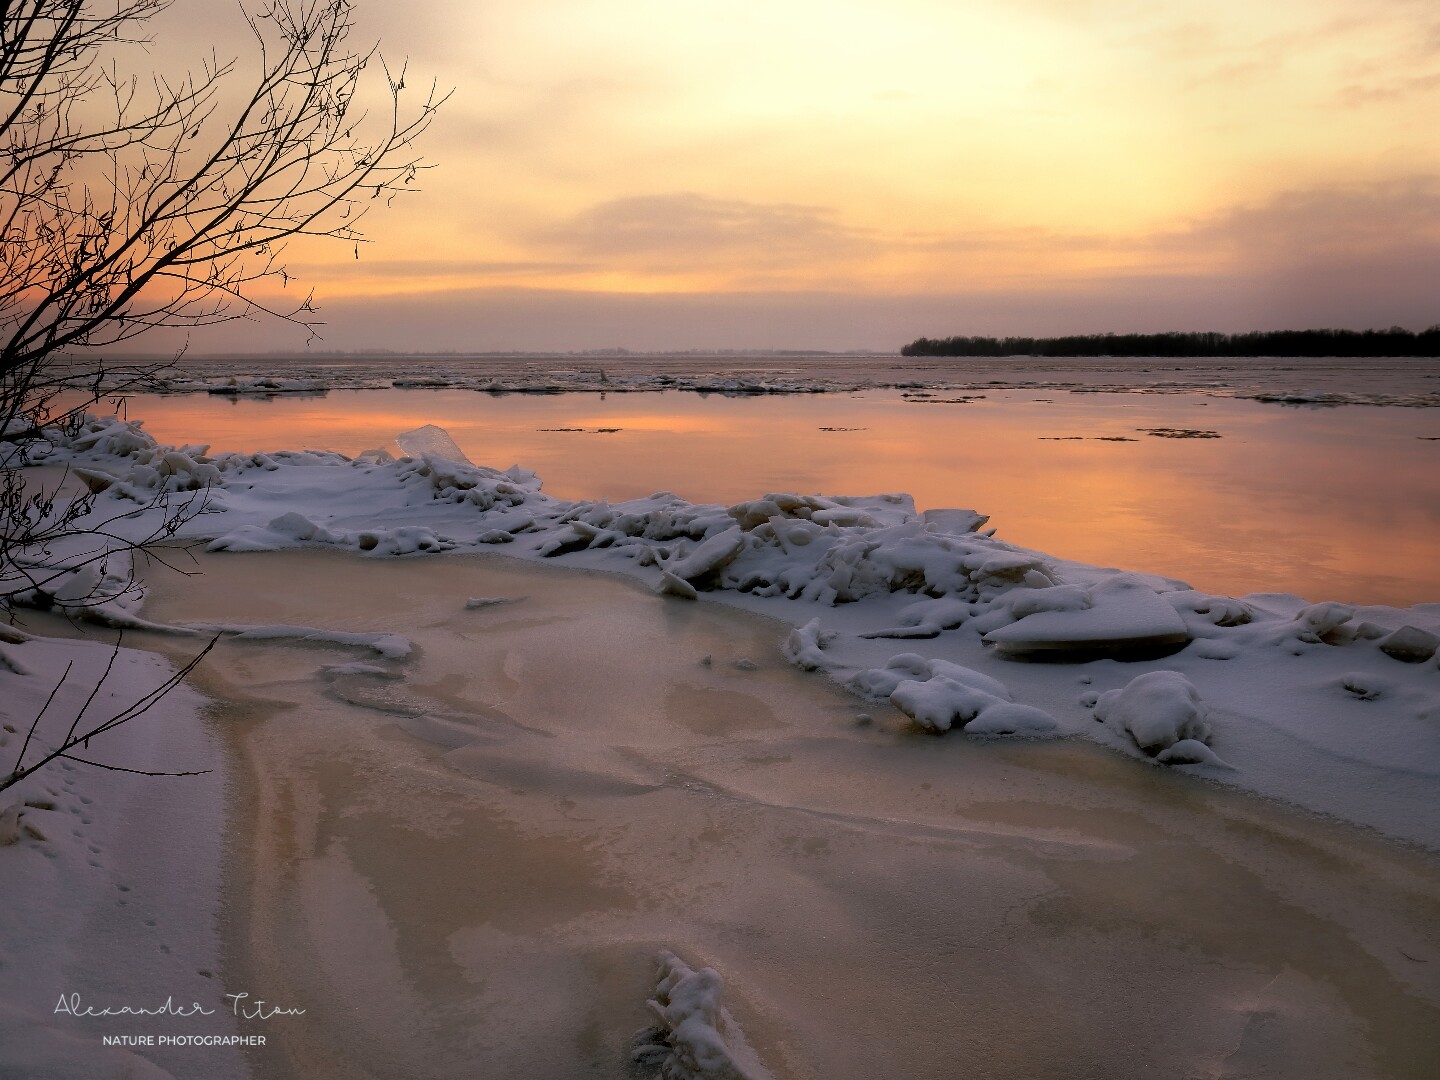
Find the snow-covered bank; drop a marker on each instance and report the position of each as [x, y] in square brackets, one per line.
[109, 882]
[1327, 706]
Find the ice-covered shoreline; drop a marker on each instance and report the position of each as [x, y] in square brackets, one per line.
[1326, 706]
[1309, 382]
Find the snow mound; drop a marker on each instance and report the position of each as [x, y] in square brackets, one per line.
[938, 695]
[1162, 714]
[694, 1037]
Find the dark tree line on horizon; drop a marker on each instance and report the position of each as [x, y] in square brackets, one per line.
[1396, 341]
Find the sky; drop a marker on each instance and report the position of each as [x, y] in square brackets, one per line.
[841, 174]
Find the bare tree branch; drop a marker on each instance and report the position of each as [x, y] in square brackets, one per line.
[132, 203]
[73, 739]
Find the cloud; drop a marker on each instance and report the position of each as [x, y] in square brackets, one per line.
[401, 270]
[680, 228]
[488, 319]
[1357, 95]
[1343, 223]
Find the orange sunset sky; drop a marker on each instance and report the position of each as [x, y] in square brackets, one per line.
[838, 174]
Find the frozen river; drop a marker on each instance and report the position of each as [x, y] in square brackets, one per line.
[464, 845]
[465, 864]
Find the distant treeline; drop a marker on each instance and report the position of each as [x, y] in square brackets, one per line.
[1396, 341]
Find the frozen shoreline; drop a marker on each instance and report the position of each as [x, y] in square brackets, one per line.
[1327, 706]
[1312, 382]
[957, 630]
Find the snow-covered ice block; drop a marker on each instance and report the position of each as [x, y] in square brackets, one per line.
[1319, 620]
[1123, 614]
[1157, 710]
[710, 554]
[955, 522]
[670, 585]
[939, 695]
[1011, 718]
[1410, 644]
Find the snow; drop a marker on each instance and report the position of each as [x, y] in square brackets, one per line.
[1157, 710]
[695, 1037]
[109, 883]
[937, 695]
[1115, 615]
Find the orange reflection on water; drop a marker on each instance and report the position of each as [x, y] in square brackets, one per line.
[1331, 504]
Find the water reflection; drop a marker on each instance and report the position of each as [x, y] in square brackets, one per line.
[1339, 503]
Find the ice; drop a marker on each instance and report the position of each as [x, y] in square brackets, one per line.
[390, 646]
[431, 440]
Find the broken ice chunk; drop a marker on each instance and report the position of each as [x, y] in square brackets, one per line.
[433, 440]
[713, 553]
[1410, 645]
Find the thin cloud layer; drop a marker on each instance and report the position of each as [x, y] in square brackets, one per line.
[1272, 163]
[678, 228]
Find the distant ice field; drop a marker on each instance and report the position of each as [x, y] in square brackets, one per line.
[1334, 502]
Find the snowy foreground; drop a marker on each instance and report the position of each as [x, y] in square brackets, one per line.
[1325, 706]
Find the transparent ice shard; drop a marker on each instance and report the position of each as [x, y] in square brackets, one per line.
[433, 440]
